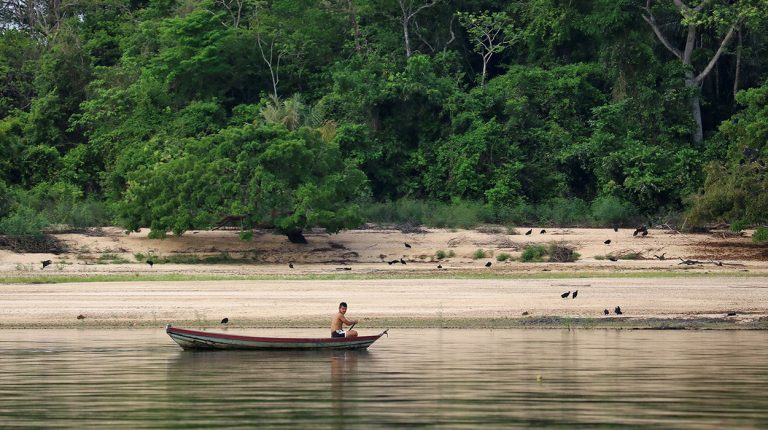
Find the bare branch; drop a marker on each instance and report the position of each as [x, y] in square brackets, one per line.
[652, 22]
[720, 50]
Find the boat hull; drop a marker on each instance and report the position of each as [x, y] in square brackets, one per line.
[200, 340]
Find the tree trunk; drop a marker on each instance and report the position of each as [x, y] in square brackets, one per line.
[407, 37]
[698, 134]
[738, 68]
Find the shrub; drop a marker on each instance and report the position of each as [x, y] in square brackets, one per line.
[440, 254]
[611, 210]
[478, 254]
[246, 235]
[503, 257]
[451, 254]
[739, 226]
[533, 253]
[564, 212]
[562, 253]
[24, 222]
[760, 235]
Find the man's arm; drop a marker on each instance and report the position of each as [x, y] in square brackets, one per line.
[348, 322]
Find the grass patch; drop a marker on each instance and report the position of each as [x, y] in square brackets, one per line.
[171, 277]
[110, 259]
[221, 258]
[503, 257]
[625, 256]
[478, 254]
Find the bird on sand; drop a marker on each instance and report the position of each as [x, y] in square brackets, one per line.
[81, 317]
[617, 310]
[290, 265]
[439, 266]
[565, 294]
[151, 263]
[488, 264]
[225, 320]
[574, 294]
[613, 258]
[542, 231]
[46, 263]
[529, 232]
[607, 242]
[660, 257]
[407, 245]
[644, 233]
[616, 228]
[402, 261]
[606, 312]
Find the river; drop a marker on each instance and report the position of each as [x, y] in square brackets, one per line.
[139, 378]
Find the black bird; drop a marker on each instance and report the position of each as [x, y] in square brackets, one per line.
[402, 261]
[439, 266]
[613, 258]
[488, 264]
[542, 231]
[526, 313]
[290, 265]
[606, 312]
[151, 263]
[617, 310]
[389, 262]
[574, 294]
[81, 317]
[528, 232]
[565, 294]
[644, 233]
[615, 228]
[46, 263]
[731, 314]
[607, 242]
[660, 257]
[225, 320]
[636, 232]
[407, 245]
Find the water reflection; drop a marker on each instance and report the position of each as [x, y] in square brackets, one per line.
[425, 378]
[343, 383]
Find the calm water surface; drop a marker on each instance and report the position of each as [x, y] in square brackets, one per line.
[413, 378]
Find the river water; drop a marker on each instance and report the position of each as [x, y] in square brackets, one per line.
[433, 378]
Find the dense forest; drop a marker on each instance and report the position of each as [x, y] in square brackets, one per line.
[291, 114]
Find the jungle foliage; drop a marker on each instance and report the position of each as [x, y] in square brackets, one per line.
[291, 114]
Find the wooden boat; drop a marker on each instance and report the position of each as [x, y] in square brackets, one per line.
[193, 339]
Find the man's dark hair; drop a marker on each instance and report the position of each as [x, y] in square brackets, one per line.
[343, 304]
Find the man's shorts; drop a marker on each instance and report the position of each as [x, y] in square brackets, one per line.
[338, 333]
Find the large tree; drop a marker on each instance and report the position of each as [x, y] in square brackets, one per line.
[720, 19]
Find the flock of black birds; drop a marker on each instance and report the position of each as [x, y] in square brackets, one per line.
[616, 310]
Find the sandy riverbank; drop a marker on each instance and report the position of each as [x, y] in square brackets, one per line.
[400, 303]
[732, 277]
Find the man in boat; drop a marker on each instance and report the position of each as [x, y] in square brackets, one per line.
[338, 321]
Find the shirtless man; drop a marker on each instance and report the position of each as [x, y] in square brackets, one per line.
[338, 321]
